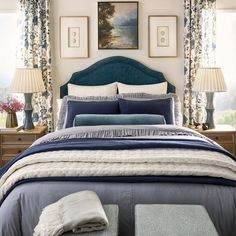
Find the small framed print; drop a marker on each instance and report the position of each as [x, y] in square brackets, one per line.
[162, 34]
[74, 36]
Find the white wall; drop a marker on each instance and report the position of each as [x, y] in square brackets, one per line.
[226, 4]
[8, 4]
[63, 68]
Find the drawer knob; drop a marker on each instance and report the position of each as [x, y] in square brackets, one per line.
[216, 138]
[19, 151]
[19, 139]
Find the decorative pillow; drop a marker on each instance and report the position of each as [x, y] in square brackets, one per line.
[84, 91]
[160, 88]
[144, 96]
[163, 107]
[96, 107]
[63, 110]
[136, 119]
[127, 96]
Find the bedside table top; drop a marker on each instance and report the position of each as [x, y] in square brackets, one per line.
[36, 130]
[219, 128]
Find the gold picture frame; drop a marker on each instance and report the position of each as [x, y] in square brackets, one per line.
[162, 36]
[74, 36]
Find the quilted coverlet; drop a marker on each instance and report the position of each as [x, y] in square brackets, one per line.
[151, 151]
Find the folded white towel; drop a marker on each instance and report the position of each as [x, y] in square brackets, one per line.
[80, 212]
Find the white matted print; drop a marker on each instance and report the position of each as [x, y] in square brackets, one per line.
[74, 36]
[162, 36]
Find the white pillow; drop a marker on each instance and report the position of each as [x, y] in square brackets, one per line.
[155, 89]
[59, 101]
[100, 90]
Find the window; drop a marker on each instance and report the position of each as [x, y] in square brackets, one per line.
[225, 103]
[8, 40]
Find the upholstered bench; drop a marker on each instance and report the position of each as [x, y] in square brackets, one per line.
[173, 220]
[112, 212]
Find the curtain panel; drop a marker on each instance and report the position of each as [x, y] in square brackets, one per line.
[35, 51]
[199, 51]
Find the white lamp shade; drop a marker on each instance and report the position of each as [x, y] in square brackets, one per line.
[26, 80]
[209, 80]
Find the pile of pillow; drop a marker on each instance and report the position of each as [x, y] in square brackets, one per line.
[111, 89]
[135, 104]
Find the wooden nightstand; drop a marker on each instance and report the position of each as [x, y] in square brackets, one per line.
[13, 143]
[225, 135]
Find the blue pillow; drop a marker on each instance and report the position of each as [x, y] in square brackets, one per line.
[93, 107]
[137, 119]
[163, 107]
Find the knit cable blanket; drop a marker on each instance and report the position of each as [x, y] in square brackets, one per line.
[170, 156]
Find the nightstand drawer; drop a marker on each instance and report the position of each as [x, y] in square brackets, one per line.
[6, 159]
[228, 146]
[18, 139]
[14, 143]
[220, 137]
[8, 150]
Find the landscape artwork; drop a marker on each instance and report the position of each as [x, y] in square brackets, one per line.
[118, 25]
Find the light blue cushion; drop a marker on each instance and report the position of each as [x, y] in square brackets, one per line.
[132, 119]
[173, 220]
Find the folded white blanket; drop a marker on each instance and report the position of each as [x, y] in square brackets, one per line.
[80, 212]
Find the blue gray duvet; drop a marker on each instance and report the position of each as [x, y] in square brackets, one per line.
[122, 169]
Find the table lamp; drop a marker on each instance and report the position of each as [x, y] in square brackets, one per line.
[209, 80]
[27, 81]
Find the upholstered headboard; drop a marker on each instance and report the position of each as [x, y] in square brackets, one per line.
[116, 69]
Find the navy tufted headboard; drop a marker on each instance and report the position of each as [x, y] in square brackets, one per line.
[116, 69]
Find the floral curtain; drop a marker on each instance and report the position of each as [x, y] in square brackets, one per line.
[199, 51]
[35, 51]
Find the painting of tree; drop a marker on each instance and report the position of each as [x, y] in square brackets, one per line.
[105, 12]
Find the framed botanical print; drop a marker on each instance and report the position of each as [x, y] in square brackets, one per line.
[117, 25]
[162, 34]
[74, 36]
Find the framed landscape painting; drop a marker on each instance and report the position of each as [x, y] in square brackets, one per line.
[162, 34]
[117, 25]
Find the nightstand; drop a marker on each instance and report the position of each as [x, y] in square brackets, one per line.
[13, 143]
[225, 135]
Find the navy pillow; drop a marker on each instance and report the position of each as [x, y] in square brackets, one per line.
[93, 107]
[163, 107]
[137, 119]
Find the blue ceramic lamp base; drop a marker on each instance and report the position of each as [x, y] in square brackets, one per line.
[28, 109]
[210, 110]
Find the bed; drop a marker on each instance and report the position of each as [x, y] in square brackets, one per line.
[124, 165]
